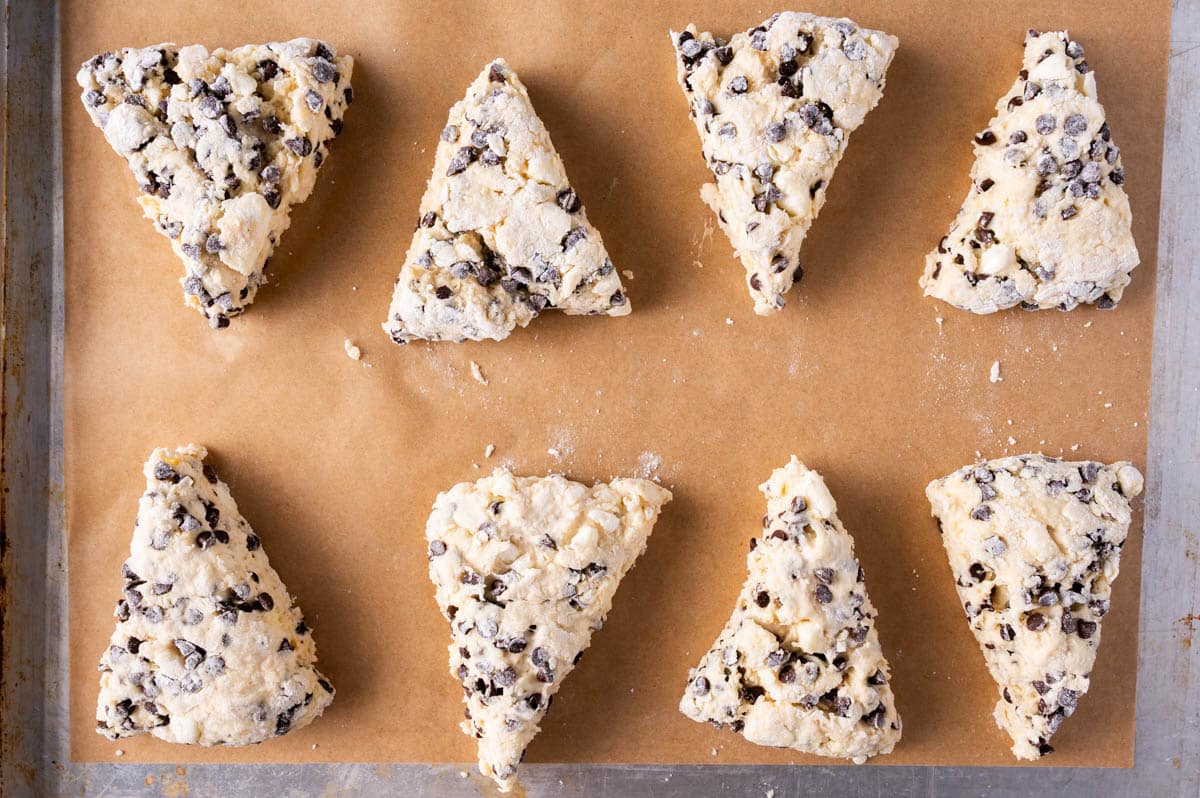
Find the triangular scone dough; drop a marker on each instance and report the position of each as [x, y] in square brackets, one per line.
[525, 570]
[501, 235]
[1035, 544]
[1046, 223]
[209, 648]
[775, 107]
[222, 144]
[799, 665]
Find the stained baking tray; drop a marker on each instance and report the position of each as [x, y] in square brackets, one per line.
[33, 709]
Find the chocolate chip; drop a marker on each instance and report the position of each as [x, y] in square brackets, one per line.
[314, 100]
[986, 138]
[1035, 622]
[762, 599]
[1085, 629]
[164, 472]
[300, 145]
[1045, 124]
[739, 85]
[982, 512]
[461, 160]
[568, 200]
[1070, 212]
[572, 238]
[267, 69]
[209, 106]
[324, 71]
[823, 594]
[496, 74]
[776, 132]
[700, 686]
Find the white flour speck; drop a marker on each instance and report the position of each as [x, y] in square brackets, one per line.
[994, 372]
[477, 373]
[648, 465]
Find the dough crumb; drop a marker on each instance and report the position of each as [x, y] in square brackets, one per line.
[119, 752]
[939, 321]
[627, 274]
[352, 351]
[1075, 447]
[994, 373]
[477, 373]
[462, 774]
[729, 321]
[1012, 441]
[1108, 404]
[490, 450]
[1089, 324]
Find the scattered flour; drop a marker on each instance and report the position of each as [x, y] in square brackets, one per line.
[648, 465]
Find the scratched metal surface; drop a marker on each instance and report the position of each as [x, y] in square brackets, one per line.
[33, 710]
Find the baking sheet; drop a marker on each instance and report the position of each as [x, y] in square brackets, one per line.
[335, 462]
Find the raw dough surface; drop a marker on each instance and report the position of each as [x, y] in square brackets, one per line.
[775, 107]
[799, 664]
[209, 648]
[1046, 223]
[222, 144]
[525, 570]
[1035, 544]
[501, 235]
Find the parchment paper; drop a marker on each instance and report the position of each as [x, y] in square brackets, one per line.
[336, 463]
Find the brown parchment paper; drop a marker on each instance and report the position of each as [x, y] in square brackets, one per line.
[336, 462]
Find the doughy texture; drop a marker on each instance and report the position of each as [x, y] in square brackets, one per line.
[775, 107]
[799, 664]
[1035, 544]
[501, 235]
[525, 570]
[209, 648]
[1046, 223]
[222, 144]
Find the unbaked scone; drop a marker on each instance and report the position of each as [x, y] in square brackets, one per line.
[1046, 223]
[501, 235]
[525, 570]
[799, 664]
[209, 648]
[222, 144]
[775, 107]
[1035, 544]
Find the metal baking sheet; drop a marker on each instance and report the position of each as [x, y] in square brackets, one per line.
[33, 636]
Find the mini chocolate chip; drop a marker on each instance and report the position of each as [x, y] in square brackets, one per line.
[986, 138]
[1045, 124]
[1035, 622]
[324, 71]
[209, 106]
[568, 200]
[823, 594]
[739, 85]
